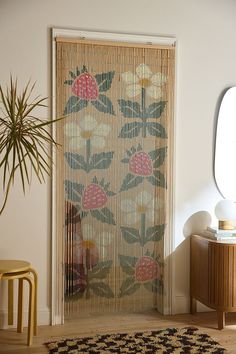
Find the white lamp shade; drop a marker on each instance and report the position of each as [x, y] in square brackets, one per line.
[225, 210]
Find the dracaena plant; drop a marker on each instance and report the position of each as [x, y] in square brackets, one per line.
[24, 138]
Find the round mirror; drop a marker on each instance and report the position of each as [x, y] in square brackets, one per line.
[225, 148]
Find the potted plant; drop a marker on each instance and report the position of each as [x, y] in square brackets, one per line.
[24, 138]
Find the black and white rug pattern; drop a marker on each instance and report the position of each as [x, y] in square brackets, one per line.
[166, 341]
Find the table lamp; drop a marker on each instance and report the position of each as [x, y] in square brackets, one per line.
[225, 211]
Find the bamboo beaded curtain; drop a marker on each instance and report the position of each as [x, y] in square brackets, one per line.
[113, 173]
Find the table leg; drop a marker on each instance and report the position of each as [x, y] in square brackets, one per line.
[10, 301]
[221, 319]
[20, 307]
[193, 305]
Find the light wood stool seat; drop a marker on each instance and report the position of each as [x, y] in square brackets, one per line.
[21, 270]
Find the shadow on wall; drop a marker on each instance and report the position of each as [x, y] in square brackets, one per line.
[196, 223]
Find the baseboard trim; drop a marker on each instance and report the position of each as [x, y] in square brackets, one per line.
[182, 305]
[43, 318]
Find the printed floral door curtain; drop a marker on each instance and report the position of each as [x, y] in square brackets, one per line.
[114, 173]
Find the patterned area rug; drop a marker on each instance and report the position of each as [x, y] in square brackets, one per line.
[171, 340]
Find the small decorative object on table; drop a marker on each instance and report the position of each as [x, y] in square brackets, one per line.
[225, 211]
[215, 233]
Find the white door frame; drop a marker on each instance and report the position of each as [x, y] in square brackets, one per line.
[57, 296]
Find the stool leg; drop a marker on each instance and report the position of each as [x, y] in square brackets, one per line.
[35, 299]
[10, 302]
[20, 307]
[31, 309]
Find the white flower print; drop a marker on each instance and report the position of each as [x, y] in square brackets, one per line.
[144, 78]
[144, 203]
[87, 128]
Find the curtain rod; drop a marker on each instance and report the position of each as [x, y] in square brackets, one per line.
[83, 40]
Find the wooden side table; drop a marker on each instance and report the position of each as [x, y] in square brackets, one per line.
[213, 275]
[21, 270]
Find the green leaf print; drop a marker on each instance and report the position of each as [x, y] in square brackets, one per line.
[125, 160]
[155, 109]
[130, 109]
[156, 129]
[100, 271]
[130, 234]
[110, 193]
[101, 160]
[128, 287]
[96, 161]
[101, 289]
[104, 215]
[83, 214]
[68, 82]
[158, 156]
[72, 75]
[158, 179]
[95, 180]
[75, 104]
[84, 70]
[131, 181]
[128, 263]
[131, 130]
[155, 233]
[75, 161]
[104, 80]
[73, 191]
[103, 104]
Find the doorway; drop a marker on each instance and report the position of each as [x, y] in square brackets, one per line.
[113, 176]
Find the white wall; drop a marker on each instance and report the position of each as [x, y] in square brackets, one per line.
[206, 65]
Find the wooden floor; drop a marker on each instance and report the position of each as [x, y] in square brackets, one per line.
[12, 342]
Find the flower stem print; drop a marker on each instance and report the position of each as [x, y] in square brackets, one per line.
[91, 199]
[144, 127]
[143, 228]
[142, 209]
[87, 88]
[88, 151]
[143, 83]
[143, 97]
[143, 165]
[85, 135]
[144, 271]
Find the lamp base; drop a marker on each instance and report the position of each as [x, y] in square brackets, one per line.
[226, 225]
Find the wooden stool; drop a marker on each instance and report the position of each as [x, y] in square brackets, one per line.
[21, 270]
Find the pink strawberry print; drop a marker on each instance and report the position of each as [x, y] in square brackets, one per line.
[141, 164]
[146, 269]
[85, 86]
[94, 197]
